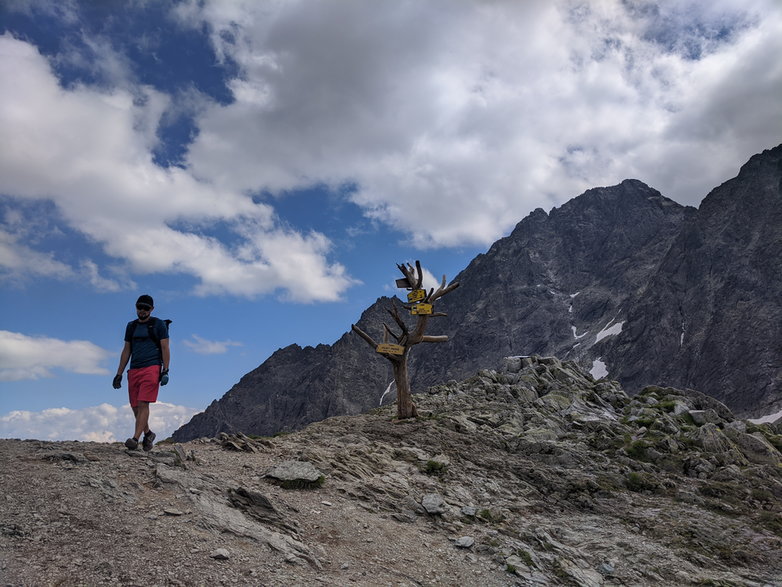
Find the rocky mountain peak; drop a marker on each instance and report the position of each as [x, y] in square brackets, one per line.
[624, 281]
[530, 473]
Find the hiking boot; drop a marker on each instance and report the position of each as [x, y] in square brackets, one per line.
[131, 443]
[149, 438]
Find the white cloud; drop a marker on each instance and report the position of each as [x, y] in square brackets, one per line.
[18, 261]
[209, 347]
[29, 357]
[90, 152]
[454, 120]
[102, 423]
[90, 270]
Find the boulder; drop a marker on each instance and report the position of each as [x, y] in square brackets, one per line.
[296, 474]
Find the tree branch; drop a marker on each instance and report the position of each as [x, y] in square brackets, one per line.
[442, 290]
[388, 331]
[364, 335]
[398, 319]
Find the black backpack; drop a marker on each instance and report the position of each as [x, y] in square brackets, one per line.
[131, 328]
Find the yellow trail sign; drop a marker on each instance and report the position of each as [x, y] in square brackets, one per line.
[420, 309]
[416, 295]
[390, 349]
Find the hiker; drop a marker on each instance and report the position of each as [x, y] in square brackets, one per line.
[147, 349]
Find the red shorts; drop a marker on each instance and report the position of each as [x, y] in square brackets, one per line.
[143, 385]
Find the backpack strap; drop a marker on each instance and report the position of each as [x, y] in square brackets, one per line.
[151, 325]
[151, 332]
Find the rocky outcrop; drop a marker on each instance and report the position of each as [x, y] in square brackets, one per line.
[533, 473]
[711, 316]
[620, 279]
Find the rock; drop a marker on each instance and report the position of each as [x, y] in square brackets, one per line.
[580, 574]
[433, 503]
[701, 417]
[756, 448]
[469, 511]
[606, 569]
[296, 474]
[221, 554]
[464, 542]
[531, 577]
[711, 439]
[256, 505]
[180, 457]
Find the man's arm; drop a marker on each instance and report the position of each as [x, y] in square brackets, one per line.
[123, 361]
[124, 358]
[165, 351]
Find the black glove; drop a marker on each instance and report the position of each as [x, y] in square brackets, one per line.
[163, 376]
[117, 383]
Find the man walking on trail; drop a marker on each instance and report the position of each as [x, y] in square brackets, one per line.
[147, 349]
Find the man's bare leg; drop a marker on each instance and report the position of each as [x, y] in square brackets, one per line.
[142, 419]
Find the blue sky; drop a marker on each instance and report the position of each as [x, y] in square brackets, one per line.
[260, 167]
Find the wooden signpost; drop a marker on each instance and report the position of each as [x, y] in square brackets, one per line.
[422, 305]
[416, 295]
[421, 309]
[390, 349]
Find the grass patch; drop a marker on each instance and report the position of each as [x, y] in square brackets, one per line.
[639, 482]
[666, 406]
[491, 517]
[526, 557]
[435, 468]
[637, 450]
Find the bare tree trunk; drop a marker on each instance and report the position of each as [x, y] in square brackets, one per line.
[405, 408]
[397, 352]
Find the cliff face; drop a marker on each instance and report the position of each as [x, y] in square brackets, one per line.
[556, 282]
[711, 316]
[626, 282]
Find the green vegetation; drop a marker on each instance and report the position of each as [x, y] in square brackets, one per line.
[526, 557]
[637, 449]
[435, 468]
[642, 482]
[666, 406]
[488, 516]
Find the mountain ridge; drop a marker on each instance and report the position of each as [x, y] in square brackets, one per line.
[614, 279]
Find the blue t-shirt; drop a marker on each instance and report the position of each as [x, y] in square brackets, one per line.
[144, 349]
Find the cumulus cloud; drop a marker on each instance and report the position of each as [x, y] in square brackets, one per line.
[202, 346]
[447, 121]
[102, 423]
[454, 120]
[18, 261]
[30, 357]
[90, 151]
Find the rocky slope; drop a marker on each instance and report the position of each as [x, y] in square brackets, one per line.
[621, 279]
[713, 310]
[531, 474]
